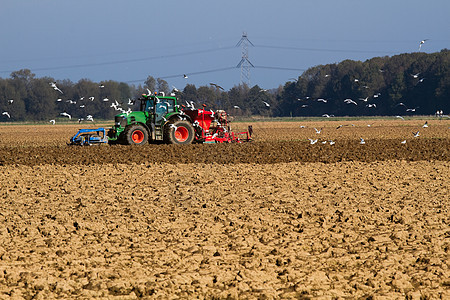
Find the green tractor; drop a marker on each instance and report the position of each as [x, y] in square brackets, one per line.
[159, 119]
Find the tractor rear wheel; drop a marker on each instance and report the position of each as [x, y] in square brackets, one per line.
[179, 132]
[136, 135]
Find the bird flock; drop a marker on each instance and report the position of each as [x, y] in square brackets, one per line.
[81, 102]
[313, 141]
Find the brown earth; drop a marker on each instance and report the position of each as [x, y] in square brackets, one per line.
[276, 218]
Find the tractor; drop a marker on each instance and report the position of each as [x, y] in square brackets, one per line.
[160, 119]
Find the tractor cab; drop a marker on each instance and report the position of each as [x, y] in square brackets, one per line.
[158, 107]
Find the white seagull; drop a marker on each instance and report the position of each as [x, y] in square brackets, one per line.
[237, 107]
[425, 125]
[364, 99]
[65, 114]
[266, 104]
[403, 142]
[53, 122]
[362, 141]
[416, 134]
[5, 113]
[53, 84]
[10, 101]
[350, 101]
[318, 131]
[421, 43]
[400, 117]
[312, 142]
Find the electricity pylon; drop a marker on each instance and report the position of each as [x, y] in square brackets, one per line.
[245, 63]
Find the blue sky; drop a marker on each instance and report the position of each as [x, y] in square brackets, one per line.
[130, 40]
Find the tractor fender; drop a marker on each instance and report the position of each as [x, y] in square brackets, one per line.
[176, 117]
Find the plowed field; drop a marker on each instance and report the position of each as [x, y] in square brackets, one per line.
[275, 218]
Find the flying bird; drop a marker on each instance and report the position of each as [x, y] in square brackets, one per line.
[364, 99]
[216, 85]
[416, 134]
[370, 105]
[53, 122]
[92, 98]
[322, 100]
[237, 107]
[421, 43]
[10, 101]
[266, 104]
[425, 125]
[5, 113]
[318, 131]
[415, 75]
[101, 85]
[312, 142]
[65, 114]
[90, 118]
[53, 84]
[350, 101]
[400, 117]
[403, 142]
[362, 141]
[185, 76]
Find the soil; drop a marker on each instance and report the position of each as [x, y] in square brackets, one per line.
[275, 218]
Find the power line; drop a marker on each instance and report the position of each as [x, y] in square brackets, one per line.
[190, 74]
[279, 68]
[218, 70]
[126, 60]
[325, 49]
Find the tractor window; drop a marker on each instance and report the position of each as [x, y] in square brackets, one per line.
[149, 104]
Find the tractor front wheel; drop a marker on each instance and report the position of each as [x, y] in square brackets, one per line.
[136, 135]
[179, 132]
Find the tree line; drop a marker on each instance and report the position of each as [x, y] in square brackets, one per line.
[413, 83]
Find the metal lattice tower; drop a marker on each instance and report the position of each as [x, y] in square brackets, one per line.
[245, 63]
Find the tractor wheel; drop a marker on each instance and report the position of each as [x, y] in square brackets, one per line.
[136, 135]
[179, 132]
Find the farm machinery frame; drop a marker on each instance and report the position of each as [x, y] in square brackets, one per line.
[160, 119]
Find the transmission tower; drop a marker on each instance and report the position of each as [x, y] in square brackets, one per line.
[245, 63]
